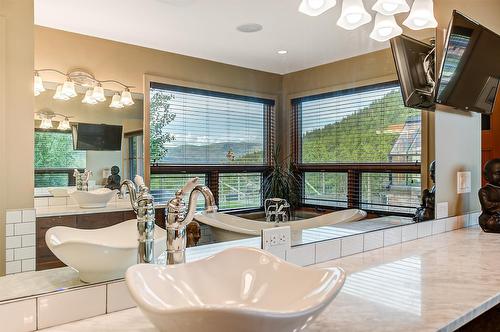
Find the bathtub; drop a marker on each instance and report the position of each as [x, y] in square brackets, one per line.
[226, 227]
[100, 254]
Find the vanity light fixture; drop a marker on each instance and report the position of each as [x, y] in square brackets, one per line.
[98, 93]
[68, 89]
[115, 102]
[316, 7]
[385, 28]
[59, 95]
[38, 84]
[46, 122]
[88, 99]
[353, 15]
[126, 98]
[391, 7]
[93, 95]
[421, 15]
[64, 124]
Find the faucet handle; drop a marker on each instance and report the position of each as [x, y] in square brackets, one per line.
[189, 186]
[139, 181]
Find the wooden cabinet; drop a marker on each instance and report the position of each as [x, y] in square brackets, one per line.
[45, 259]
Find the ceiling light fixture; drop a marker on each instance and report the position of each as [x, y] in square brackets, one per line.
[316, 7]
[282, 52]
[98, 93]
[47, 117]
[88, 99]
[385, 28]
[46, 122]
[421, 15]
[115, 101]
[353, 15]
[391, 7]
[68, 89]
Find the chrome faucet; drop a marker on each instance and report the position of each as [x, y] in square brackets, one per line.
[143, 204]
[178, 217]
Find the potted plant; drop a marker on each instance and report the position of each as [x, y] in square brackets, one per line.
[282, 181]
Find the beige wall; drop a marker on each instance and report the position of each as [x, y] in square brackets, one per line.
[458, 135]
[16, 110]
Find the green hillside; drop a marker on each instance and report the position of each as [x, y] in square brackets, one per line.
[364, 136]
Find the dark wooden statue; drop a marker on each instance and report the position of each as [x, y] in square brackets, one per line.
[489, 196]
[114, 179]
[193, 231]
[426, 210]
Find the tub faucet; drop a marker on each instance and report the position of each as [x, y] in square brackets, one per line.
[177, 217]
[143, 204]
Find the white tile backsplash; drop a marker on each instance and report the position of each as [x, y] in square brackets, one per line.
[28, 240]
[9, 229]
[373, 240]
[409, 232]
[451, 224]
[41, 202]
[392, 236]
[24, 253]
[29, 215]
[301, 255]
[424, 229]
[327, 250]
[9, 255]
[24, 228]
[13, 216]
[18, 316]
[57, 201]
[71, 306]
[13, 242]
[28, 265]
[13, 267]
[462, 221]
[118, 297]
[438, 226]
[352, 245]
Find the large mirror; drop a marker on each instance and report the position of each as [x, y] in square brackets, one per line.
[315, 136]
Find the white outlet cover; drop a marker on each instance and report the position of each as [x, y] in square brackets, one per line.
[276, 240]
[463, 182]
[442, 210]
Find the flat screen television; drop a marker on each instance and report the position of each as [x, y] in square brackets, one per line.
[470, 71]
[415, 62]
[97, 137]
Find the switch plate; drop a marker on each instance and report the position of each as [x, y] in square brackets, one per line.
[276, 239]
[463, 182]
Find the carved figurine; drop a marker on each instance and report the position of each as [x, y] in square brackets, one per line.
[426, 210]
[489, 196]
[114, 179]
[193, 231]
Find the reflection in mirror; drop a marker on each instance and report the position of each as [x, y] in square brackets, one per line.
[351, 159]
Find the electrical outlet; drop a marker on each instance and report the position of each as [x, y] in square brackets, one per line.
[276, 239]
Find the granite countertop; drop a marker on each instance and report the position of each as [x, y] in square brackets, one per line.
[436, 283]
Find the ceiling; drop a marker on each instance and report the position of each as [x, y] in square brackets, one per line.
[207, 29]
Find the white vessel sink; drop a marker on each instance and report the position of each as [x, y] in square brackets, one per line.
[100, 254]
[237, 290]
[98, 198]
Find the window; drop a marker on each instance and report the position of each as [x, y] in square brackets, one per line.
[358, 148]
[55, 159]
[226, 138]
[164, 186]
[322, 188]
[133, 159]
[240, 190]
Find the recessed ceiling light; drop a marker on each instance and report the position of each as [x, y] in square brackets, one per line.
[282, 52]
[249, 27]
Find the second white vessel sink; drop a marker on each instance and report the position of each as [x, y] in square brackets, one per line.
[237, 290]
[98, 198]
